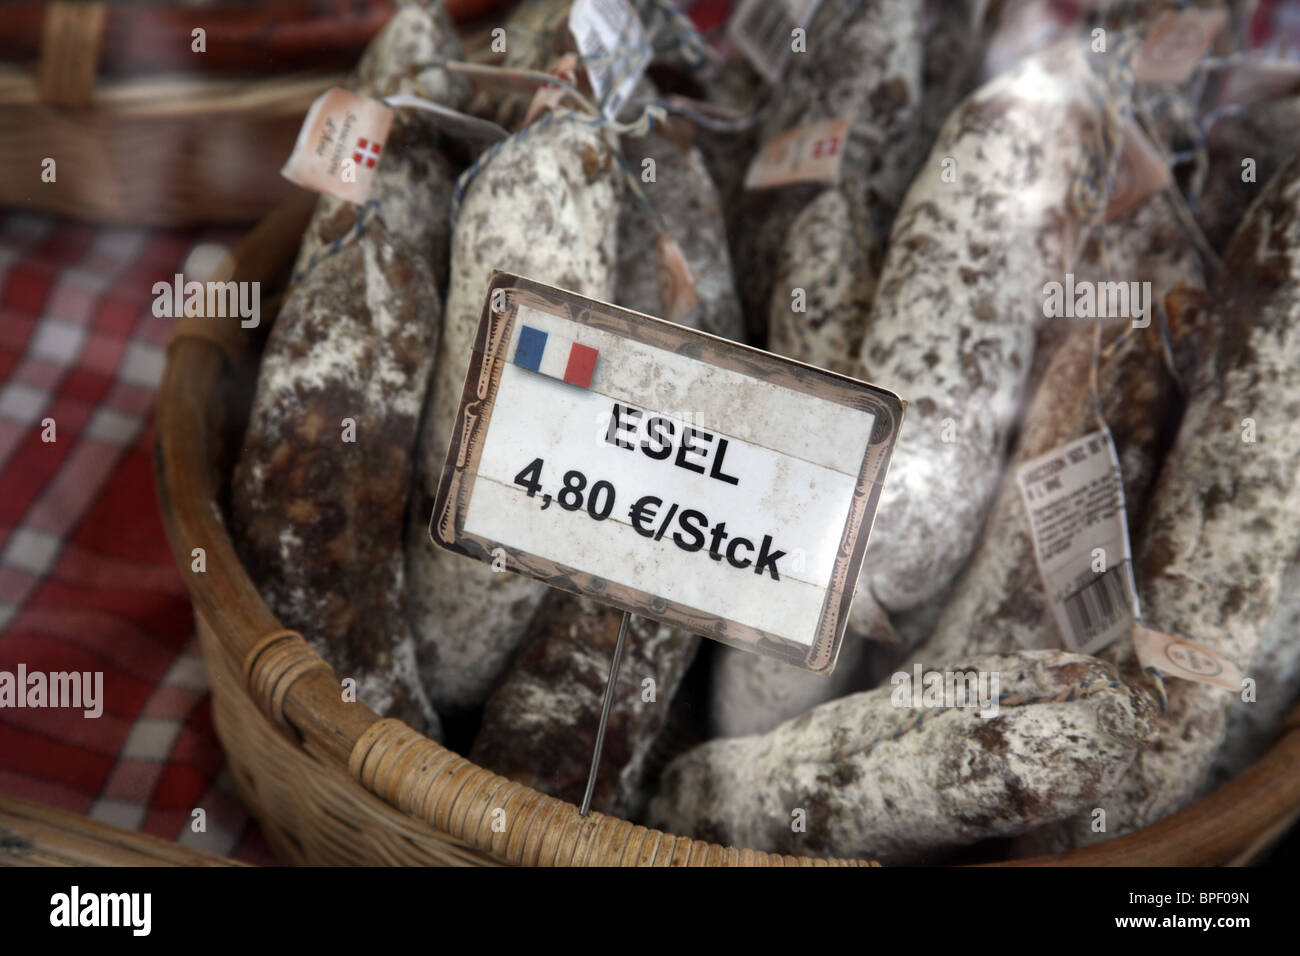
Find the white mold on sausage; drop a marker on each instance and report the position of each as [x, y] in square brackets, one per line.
[1276, 671]
[319, 512]
[960, 294]
[545, 206]
[860, 776]
[1222, 527]
[881, 99]
[687, 203]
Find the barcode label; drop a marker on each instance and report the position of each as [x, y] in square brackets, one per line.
[613, 47]
[1074, 500]
[1098, 605]
[762, 30]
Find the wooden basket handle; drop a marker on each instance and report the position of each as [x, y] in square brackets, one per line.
[70, 40]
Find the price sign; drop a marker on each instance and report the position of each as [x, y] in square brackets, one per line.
[664, 471]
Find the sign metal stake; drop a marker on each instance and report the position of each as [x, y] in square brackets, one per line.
[604, 713]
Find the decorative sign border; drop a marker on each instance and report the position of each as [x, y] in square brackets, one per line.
[447, 525]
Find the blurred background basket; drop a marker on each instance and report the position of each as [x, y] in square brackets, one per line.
[145, 129]
[332, 783]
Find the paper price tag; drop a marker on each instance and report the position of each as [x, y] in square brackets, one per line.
[1075, 502]
[673, 474]
[811, 153]
[551, 95]
[614, 49]
[1176, 657]
[677, 292]
[340, 145]
[1176, 41]
[1139, 174]
[761, 29]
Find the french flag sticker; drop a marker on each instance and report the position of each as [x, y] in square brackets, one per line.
[555, 357]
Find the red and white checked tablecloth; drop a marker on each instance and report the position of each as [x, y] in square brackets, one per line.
[87, 582]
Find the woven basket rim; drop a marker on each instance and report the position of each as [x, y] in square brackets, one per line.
[1227, 826]
[165, 95]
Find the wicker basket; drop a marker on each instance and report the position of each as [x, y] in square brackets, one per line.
[333, 783]
[165, 150]
[32, 834]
